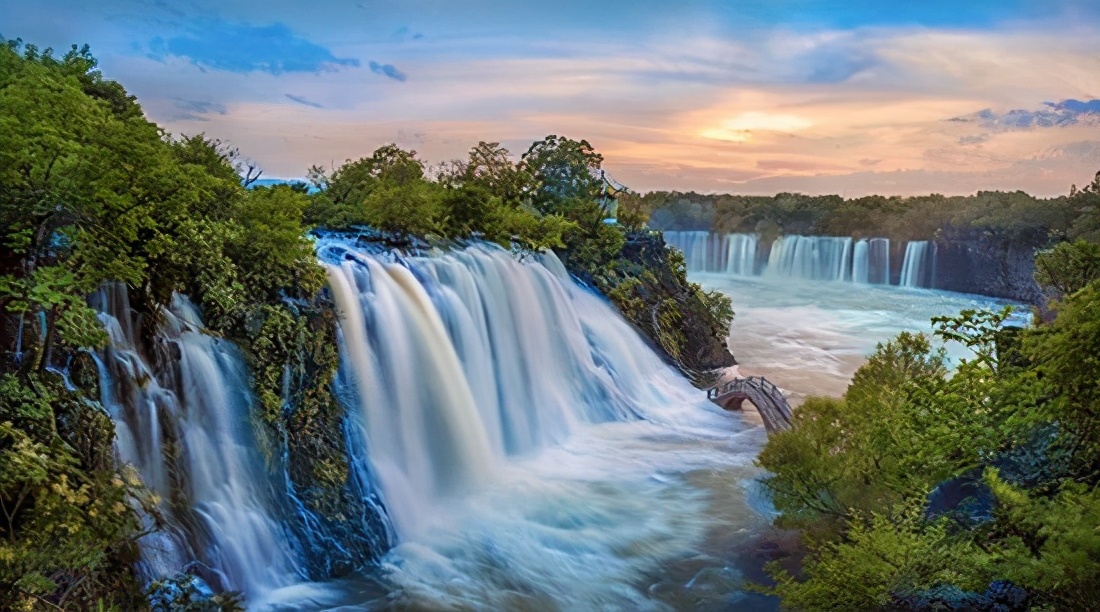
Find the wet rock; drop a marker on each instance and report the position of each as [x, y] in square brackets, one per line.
[341, 568]
[181, 592]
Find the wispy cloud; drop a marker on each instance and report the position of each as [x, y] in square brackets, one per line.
[388, 70]
[1052, 115]
[196, 110]
[243, 47]
[304, 101]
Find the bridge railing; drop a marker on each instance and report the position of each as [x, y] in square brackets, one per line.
[737, 384]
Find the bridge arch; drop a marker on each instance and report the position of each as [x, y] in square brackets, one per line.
[768, 399]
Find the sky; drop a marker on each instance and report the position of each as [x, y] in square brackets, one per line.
[739, 96]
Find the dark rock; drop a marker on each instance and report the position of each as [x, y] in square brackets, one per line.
[1007, 595]
[1001, 596]
[1040, 461]
[341, 568]
[997, 264]
[943, 597]
[965, 499]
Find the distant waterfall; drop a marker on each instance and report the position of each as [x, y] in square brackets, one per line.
[741, 254]
[818, 258]
[861, 272]
[878, 261]
[461, 360]
[703, 251]
[915, 269]
[183, 419]
[811, 258]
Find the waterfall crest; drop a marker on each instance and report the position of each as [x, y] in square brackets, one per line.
[816, 258]
[460, 361]
[182, 418]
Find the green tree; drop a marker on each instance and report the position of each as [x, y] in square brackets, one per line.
[1067, 268]
[563, 170]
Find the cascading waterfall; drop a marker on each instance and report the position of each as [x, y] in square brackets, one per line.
[861, 272]
[878, 261]
[818, 258]
[184, 423]
[464, 360]
[703, 251]
[741, 255]
[913, 268]
[810, 258]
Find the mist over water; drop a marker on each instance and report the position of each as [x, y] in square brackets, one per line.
[809, 337]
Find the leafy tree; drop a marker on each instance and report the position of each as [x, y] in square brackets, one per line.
[1067, 267]
[564, 170]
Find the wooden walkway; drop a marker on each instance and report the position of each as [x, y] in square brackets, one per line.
[768, 399]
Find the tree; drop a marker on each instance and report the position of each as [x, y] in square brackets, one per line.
[490, 167]
[1067, 268]
[563, 170]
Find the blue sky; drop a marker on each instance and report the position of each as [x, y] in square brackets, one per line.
[760, 96]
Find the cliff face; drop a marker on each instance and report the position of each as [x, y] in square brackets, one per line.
[990, 263]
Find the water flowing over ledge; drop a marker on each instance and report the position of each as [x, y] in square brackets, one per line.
[183, 419]
[819, 258]
[504, 409]
[462, 360]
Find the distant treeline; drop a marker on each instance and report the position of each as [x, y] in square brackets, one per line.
[1076, 215]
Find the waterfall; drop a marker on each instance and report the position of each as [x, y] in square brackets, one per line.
[741, 254]
[703, 251]
[461, 361]
[810, 258]
[878, 261]
[913, 268]
[860, 265]
[818, 258]
[183, 419]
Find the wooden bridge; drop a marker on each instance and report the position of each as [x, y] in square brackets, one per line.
[768, 399]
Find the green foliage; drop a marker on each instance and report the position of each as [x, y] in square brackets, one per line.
[1067, 267]
[91, 192]
[1051, 545]
[1015, 216]
[1066, 361]
[882, 557]
[855, 473]
[67, 524]
[564, 171]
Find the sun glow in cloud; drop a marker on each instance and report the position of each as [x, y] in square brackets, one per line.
[855, 98]
[741, 127]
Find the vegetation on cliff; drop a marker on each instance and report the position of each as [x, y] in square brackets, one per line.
[93, 192]
[972, 487]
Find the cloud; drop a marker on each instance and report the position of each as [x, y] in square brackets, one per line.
[389, 71]
[1056, 114]
[304, 101]
[196, 110]
[242, 47]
